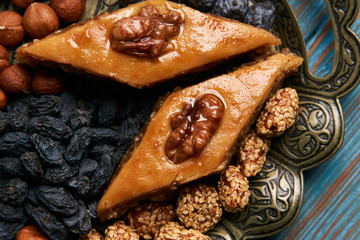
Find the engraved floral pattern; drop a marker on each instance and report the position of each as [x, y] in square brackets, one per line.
[271, 195]
[311, 133]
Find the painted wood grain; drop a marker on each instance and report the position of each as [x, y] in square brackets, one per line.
[331, 203]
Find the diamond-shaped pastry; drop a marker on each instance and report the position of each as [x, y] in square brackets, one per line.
[191, 40]
[162, 158]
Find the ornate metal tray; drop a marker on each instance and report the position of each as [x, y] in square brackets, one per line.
[277, 191]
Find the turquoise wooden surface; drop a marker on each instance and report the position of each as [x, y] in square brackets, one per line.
[331, 203]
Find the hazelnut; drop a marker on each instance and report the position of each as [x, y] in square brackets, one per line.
[11, 29]
[3, 99]
[47, 82]
[40, 20]
[15, 79]
[22, 3]
[4, 58]
[69, 10]
[30, 233]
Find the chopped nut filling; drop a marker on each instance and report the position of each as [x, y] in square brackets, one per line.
[193, 127]
[173, 230]
[120, 231]
[233, 190]
[252, 154]
[279, 113]
[147, 33]
[147, 219]
[198, 207]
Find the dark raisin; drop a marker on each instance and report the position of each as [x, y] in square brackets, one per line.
[125, 108]
[117, 156]
[51, 152]
[45, 105]
[57, 199]
[143, 109]
[89, 107]
[32, 165]
[60, 174]
[13, 190]
[92, 208]
[48, 222]
[99, 150]
[80, 118]
[104, 136]
[12, 166]
[8, 230]
[31, 196]
[235, 9]
[50, 127]
[4, 122]
[80, 185]
[202, 5]
[14, 143]
[17, 121]
[87, 167]
[128, 130]
[20, 104]
[80, 222]
[107, 113]
[69, 104]
[102, 174]
[11, 213]
[261, 14]
[78, 145]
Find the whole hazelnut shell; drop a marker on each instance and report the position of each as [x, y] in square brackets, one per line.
[30, 232]
[11, 29]
[69, 10]
[15, 79]
[22, 3]
[3, 99]
[46, 81]
[40, 20]
[4, 58]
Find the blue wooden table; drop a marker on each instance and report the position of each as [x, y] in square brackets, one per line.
[331, 203]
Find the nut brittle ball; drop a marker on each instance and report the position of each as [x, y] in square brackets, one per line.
[147, 219]
[198, 207]
[252, 154]
[120, 231]
[233, 190]
[279, 113]
[173, 230]
[92, 235]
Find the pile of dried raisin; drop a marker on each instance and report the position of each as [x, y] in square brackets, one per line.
[58, 154]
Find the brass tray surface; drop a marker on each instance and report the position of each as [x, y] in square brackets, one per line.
[277, 191]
